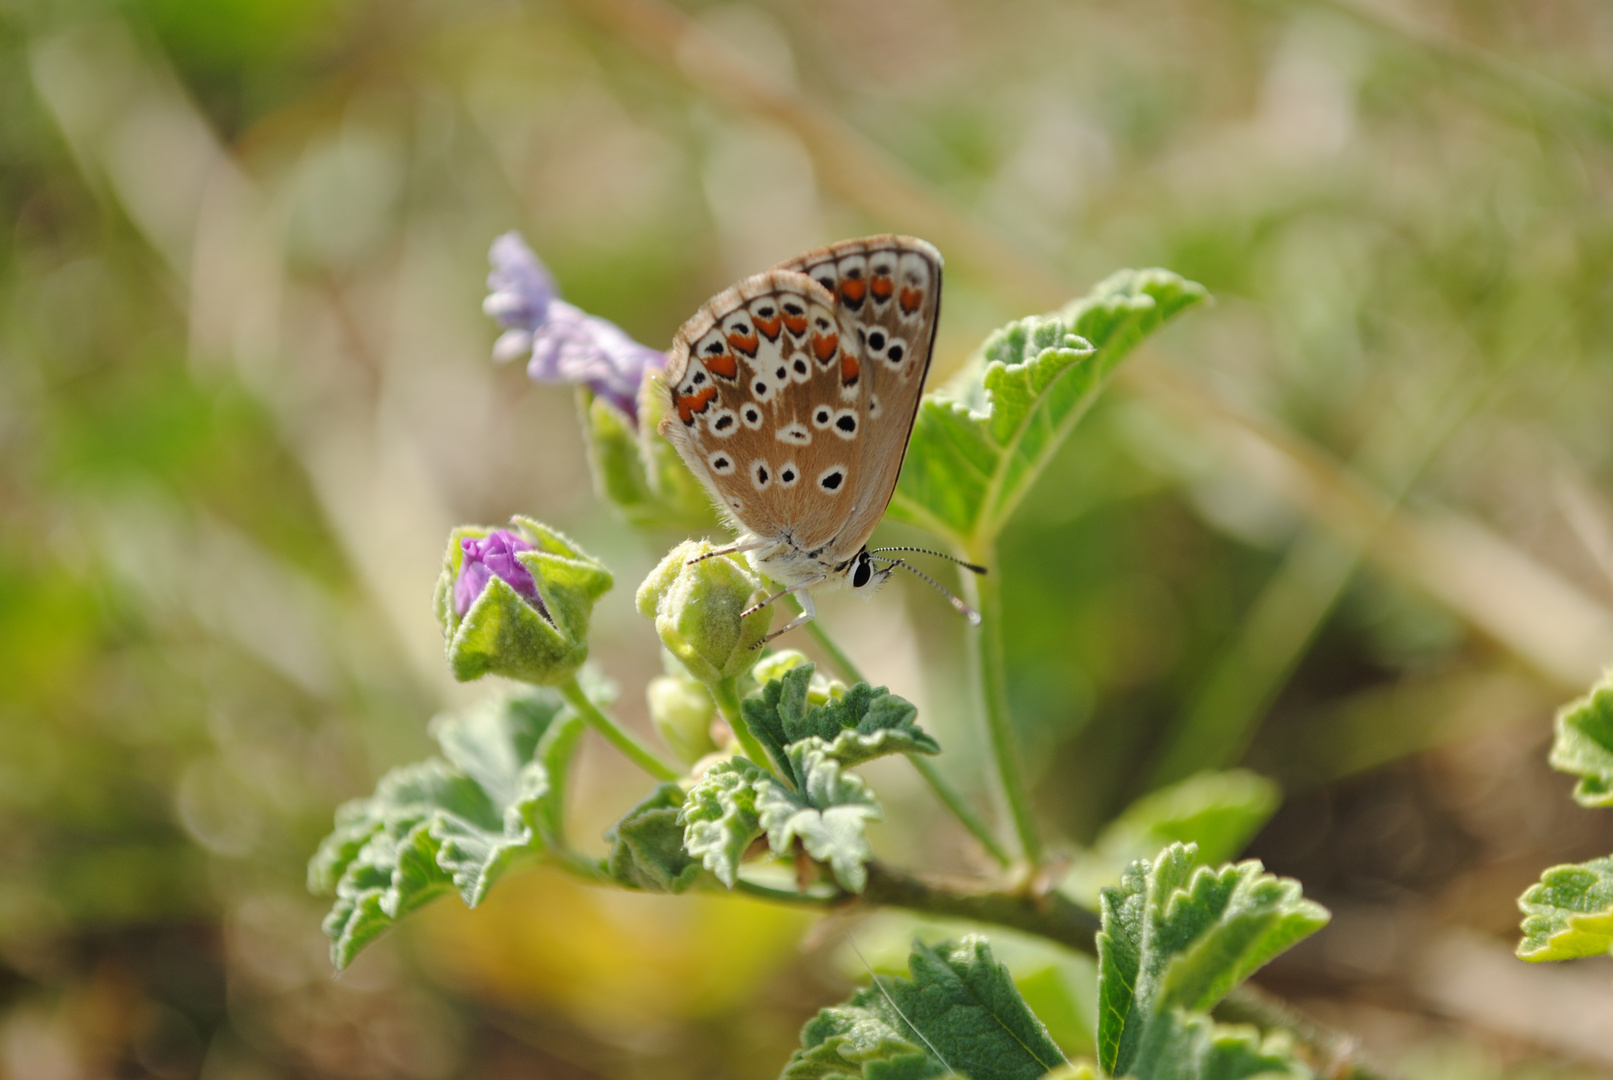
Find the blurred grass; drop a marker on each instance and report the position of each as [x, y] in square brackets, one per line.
[244, 391]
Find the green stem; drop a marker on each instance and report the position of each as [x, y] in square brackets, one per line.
[990, 675]
[950, 796]
[726, 694]
[635, 751]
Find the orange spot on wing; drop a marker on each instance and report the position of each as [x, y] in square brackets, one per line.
[795, 324]
[882, 287]
[724, 365]
[853, 289]
[824, 346]
[911, 299]
[770, 326]
[849, 369]
[689, 404]
[745, 343]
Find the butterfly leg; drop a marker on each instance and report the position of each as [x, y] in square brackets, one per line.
[808, 610]
[754, 545]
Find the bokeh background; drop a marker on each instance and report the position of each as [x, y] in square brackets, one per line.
[1351, 526]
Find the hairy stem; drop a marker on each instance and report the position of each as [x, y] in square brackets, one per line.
[950, 797]
[726, 695]
[635, 751]
[990, 677]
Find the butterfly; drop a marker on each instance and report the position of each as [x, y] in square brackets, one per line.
[792, 396]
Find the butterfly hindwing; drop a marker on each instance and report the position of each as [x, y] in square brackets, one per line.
[888, 292]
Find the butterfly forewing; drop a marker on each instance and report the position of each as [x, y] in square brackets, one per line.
[888, 294]
[766, 404]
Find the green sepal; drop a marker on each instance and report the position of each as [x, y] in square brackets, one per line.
[1178, 937]
[1182, 1045]
[1568, 913]
[978, 446]
[637, 471]
[828, 813]
[958, 1011]
[504, 634]
[696, 606]
[647, 845]
[862, 724]
[719, 816]
[1217, 812]
[1584, 744]
[454, 823]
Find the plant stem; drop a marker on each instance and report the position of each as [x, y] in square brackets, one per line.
[990, 676]
[726, 694]
[950, 796]
[636, 752]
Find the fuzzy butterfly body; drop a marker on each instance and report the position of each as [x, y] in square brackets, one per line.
[792, 394]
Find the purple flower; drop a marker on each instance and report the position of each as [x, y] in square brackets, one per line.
[486, 556]
[565, 344]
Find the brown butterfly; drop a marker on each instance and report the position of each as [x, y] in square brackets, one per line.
[792, 394]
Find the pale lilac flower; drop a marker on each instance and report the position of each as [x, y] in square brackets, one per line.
[564, 343]
[486, 556]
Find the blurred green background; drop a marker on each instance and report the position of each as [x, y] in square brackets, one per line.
[1353, 526]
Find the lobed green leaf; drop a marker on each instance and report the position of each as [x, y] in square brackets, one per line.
[958, 1012]
[1584, 744]
[828, 812]
[1178, 938]
[1182, 1045]
[719, 816]
[862, 724]
[977, 448]
[647, 845]
[454, 823]
[1568, 913]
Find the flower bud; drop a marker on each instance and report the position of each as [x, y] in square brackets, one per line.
[516, 602]
[696, 607]
[682, 710]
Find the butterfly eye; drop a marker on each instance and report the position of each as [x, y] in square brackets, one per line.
[863, 573]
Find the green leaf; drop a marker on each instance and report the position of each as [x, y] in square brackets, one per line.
[828, 813]
[719, 816]
[1217, 812]
[977, 448]
[1175, 937]
[861, 725]
[451, 823]
[647, 845]
[1568, 913]
[1584, 744]
[1190, 1046]
[958, 1012]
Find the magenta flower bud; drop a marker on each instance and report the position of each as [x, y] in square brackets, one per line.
[486, 556]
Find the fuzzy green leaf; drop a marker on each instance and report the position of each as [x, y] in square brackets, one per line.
[828, 813]
[647, 845]
[1584, 744]
[978, 447]
[719, 816]
[1217, 812]
[451, 823]
[1190, 1046]
[863, 724]
[958, 1012]
[1568, 913]
[1175, 937]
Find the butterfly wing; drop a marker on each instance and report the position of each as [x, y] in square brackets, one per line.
[765, 403]
[887, 292]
